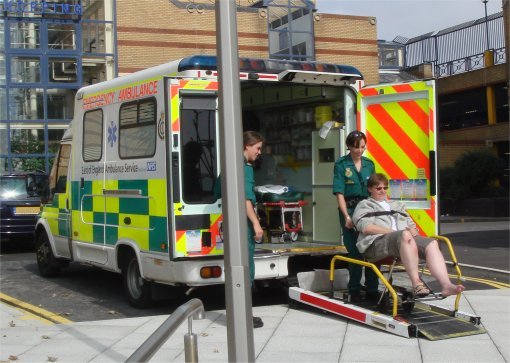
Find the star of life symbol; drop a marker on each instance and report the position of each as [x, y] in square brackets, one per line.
[112, 134]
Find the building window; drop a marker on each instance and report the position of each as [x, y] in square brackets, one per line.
[25, 69]
[25, 35]
[27, 138]
[290, 28]
[60, 103]
[93, 135]
[62, 70]
[61, 36]
[26, 104]
[137, 129]
[462, 109]
[3, 139]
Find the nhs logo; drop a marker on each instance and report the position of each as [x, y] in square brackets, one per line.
[151, 166]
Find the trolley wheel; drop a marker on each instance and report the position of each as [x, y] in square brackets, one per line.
[293, 236]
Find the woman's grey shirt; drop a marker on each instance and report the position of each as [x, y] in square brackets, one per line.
[371, 205]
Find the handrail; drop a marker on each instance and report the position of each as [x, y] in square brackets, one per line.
[191, 309]
[374, 268]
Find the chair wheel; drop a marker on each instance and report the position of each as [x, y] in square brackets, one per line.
[384, 304]
[408, 306]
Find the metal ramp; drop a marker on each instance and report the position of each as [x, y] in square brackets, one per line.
[397, 311]
[437, 323]
[432, 322]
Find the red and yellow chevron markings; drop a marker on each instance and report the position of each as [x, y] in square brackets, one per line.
[174, 97]
[400, 134]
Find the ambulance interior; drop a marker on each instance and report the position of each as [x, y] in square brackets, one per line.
[290, 117]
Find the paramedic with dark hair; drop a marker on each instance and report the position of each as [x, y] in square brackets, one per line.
[350, 177]
[387, 230]
[252, 148]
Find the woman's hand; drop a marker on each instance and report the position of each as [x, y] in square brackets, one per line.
[259, 232]
[348, 223]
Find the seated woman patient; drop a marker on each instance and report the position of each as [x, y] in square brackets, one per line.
[385, 229]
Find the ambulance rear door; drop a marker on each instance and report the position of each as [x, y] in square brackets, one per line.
[194, 201]
[400, 123]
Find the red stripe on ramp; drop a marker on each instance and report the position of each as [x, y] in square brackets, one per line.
[335, 308]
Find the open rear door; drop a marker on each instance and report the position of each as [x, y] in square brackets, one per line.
[400, 123]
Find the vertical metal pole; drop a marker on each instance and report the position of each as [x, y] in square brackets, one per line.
[486, 23]
[237, 285]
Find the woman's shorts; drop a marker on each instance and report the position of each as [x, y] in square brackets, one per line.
[389, 245]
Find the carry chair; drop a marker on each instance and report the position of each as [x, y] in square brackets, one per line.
[394, 296]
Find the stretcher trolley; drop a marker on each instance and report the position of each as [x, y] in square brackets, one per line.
[284, 220]
[397, 310]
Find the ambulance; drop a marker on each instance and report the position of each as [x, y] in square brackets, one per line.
[132, 186]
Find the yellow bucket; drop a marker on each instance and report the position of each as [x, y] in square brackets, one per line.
[323, 114]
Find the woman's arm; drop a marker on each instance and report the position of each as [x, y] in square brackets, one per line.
[374, 229]
[254, 219]
[343, 209]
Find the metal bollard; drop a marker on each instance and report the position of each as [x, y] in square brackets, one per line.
[190, 344]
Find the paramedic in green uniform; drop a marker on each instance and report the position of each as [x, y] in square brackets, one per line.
[252, 148]
[350, 178]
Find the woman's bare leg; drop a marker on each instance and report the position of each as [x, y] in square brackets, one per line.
[409, 257]
[437, 267]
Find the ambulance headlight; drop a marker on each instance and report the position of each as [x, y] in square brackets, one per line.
[210, 272]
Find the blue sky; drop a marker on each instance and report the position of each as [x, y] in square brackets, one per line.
[410, 18]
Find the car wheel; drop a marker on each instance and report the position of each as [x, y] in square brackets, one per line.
[137, 289]
[46, 261]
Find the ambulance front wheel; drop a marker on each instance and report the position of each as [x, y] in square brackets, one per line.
[138, 290]
[47, 264]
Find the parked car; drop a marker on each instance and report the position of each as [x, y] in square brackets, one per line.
[21, 195]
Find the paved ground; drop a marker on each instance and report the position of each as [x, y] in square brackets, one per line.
[288, 335]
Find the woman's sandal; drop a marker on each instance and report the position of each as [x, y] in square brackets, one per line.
[421, 290]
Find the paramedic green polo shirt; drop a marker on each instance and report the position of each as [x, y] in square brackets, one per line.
[249, 183]
[348, 181]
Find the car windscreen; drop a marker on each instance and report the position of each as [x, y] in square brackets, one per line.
[12, 187]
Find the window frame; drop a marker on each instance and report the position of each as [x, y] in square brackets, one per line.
[138, 124]
[101, 138]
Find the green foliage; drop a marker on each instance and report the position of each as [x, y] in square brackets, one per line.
[474, 175]
[27, 143]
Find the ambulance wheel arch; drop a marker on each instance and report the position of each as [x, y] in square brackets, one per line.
[47, 263]
[137, 289]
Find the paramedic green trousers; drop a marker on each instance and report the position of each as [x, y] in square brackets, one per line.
[350, 237]
[251, 251]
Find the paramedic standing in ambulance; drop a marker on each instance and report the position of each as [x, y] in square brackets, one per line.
[252, 143]
[350, 177]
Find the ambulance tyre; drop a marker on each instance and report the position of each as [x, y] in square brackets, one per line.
[138, 290]
[48, 265]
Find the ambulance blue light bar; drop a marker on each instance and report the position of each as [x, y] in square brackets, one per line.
[275, 66]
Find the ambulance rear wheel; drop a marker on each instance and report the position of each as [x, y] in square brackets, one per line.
[138, 290]
[46, 261]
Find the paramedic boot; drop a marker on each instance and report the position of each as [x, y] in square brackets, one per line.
[257, 322]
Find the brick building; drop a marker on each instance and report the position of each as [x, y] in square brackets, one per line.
[189, 28]
[53, 48]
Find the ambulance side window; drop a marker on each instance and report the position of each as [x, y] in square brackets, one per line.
[93, 135]
[199, 164]
[58, 175]
[137, 129]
